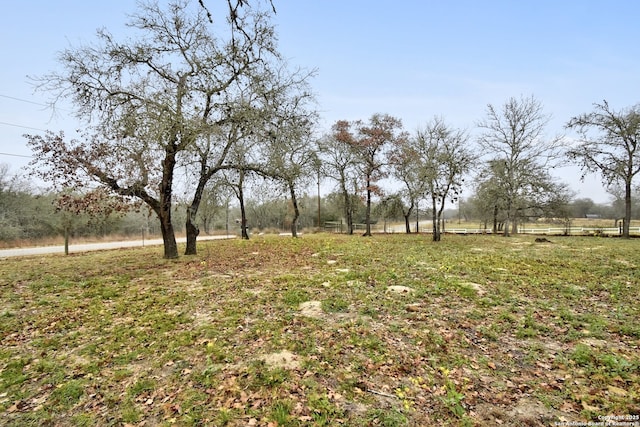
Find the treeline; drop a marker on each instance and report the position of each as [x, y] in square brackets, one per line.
[27, 214]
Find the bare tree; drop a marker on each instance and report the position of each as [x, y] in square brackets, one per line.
[289, 152]
[541, 196]
[444, 156]
[218, 150]
[514, 136]
[338, 163]
[214, 201]
[234, 11]
[147, 101]
[235, 178]
[610, 145]
[489, 197]
[406, 168]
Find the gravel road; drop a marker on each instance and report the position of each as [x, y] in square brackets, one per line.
[6, 253]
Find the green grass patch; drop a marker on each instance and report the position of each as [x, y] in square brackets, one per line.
[489, 324]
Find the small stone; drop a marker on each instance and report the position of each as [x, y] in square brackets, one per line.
[312, 309]
[399, 289]
[414, 307]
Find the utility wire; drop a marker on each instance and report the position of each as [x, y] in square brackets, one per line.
[16, 155]
[20, 126]
[23, 100]
[32, 102]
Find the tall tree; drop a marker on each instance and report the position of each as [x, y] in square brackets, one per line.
[609, 144]
[408, 171]
[291, 162]
[514, 136]
[444, 157]
[214, 201]
[289, 151]
[580, 208]
[216, 151]
[147, 101]
[390, 207]
[370, 142]
[541, 196]
[338, 163]
[489, 199]
[235, 178]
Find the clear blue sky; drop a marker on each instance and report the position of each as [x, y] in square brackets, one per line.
[412, 59]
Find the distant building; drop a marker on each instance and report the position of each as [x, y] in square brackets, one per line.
[593, 216]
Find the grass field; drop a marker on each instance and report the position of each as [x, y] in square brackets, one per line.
[325, 330]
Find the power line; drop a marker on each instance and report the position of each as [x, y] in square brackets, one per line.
[16, 155]
[20, 126]
[23, 100]
[33, 102]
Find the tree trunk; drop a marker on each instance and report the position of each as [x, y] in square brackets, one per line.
[163, 209]
[192, 231]
[192, 211]
[407, 225]
[349, 220]
[441, 229]
[168, 234]
[348, 212]
[495, 219]
[368, 214]
[296, 211]
[66, 240]
[627, 209]
[243, 220]
[435, 220]
[243, 212]
[507, 221]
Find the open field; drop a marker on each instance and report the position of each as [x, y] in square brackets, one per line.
[325, 330]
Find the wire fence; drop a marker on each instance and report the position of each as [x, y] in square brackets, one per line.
[340, 227]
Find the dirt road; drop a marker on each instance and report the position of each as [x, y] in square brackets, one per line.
[6, 253]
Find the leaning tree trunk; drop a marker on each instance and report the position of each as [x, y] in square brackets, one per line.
[407, 225]
[192, 211]
[243, 215]
[192, 232]
[441, 225]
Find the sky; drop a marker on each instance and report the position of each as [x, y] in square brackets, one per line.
[413, 59]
